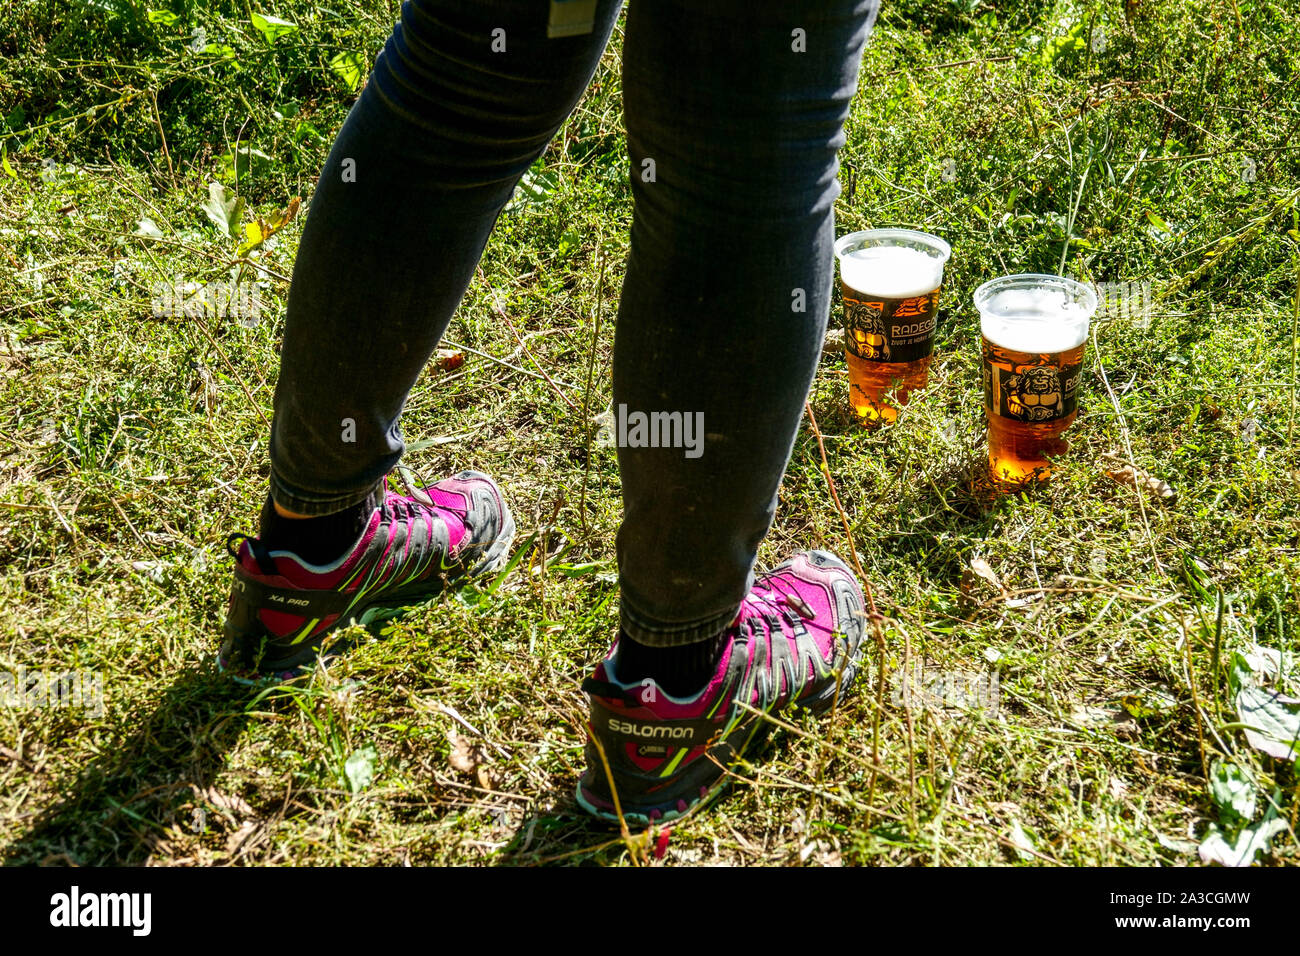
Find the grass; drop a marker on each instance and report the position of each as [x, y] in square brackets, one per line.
[1147, 142]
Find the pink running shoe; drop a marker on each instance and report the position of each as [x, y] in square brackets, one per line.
[799, 625]
[282, 610]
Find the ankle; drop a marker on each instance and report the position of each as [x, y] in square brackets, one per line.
[286, 513]
[680, 671]
[317, 539]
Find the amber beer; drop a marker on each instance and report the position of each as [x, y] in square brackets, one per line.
[1033, 328]
[890, 279]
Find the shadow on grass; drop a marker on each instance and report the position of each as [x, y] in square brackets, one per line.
[118, 808]
[563, 835]
[566, 835]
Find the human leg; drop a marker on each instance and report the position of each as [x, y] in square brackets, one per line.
[462, 100]
[734, 114]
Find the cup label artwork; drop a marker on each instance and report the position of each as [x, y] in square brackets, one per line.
[1031, 392]
[881, 329]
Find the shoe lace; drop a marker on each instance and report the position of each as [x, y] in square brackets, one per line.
[416, 500]
[787, 601]
[783, 610]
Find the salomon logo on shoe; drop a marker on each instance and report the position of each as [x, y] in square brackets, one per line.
[656, 731]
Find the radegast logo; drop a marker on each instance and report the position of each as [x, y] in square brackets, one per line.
[652, 430]
[75, 908]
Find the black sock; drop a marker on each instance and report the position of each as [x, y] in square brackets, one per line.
[680, 671]
[319, 540]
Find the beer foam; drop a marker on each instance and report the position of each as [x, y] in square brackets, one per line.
[1034, 320]
[891, 272]
[1033, 337]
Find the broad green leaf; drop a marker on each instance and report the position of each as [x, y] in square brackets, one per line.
[350, 67]
[360, 768]
[1159, 230]
[1272, 721]
[165, 17]
[253, 237]
[1175, 844]
[570, 241]
[1023, 844]
[273, 27]
[4, 161]
[239, 162]
[1220, 848]
[147, 228]
[223, 210]
[1232, 792]
[1266, 662]
[535, 186]
[1240, 672]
